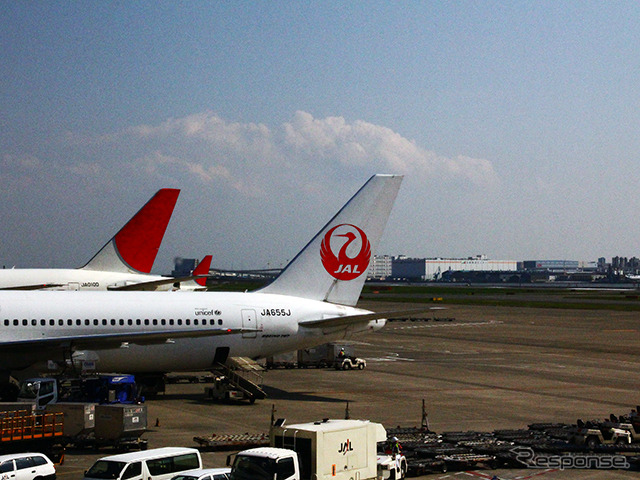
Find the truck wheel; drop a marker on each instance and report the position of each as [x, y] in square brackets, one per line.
[592, 442]
[361, 366]
[403, 469]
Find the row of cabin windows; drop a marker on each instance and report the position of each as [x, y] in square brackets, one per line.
[113, 321]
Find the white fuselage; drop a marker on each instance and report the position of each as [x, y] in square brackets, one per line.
[73, 279]
[271, 321]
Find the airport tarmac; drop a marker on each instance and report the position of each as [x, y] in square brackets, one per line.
[488, 368]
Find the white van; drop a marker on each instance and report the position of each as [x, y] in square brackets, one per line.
[155, 464]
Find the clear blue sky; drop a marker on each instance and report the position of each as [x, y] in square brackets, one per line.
[515, 124]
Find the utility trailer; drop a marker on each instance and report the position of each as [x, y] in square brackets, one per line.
[233, 441]
[325, 355]
[120, 426]
[321, 356]
[282, 360]
[23, 431]
[79, 419]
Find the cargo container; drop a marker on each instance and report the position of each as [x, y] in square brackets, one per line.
[79, 418]
[121, 425]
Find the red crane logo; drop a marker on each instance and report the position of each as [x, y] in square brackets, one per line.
[342, 266]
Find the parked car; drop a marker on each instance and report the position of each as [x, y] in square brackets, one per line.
[26, 466]
[204, 474]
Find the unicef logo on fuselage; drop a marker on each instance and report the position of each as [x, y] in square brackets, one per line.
[353, 255]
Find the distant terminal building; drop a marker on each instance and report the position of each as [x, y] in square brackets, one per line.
[559, 266]
[380, 267]
[563, 270]
[429, 269]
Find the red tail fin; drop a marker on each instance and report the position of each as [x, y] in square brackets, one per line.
[203, 269]
[135, 246]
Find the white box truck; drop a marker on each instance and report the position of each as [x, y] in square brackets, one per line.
[324, 450]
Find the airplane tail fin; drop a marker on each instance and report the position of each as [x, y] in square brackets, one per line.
[202, 269]
[135, 246]
[333, 266]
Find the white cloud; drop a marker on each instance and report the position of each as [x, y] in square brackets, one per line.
[306, 148]
[363, 143]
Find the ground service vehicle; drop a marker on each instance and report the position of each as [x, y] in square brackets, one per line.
[324, 355]
[156, 464]
[27, 466]
[592, 435]
[204, 474]
[392, 467]
[329, 449]
[95, 389]
[350, 363]
[236, 380]
[223, 390]
[320, 356]
[629, 424]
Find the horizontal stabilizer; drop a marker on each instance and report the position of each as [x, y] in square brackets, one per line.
[153, 285]
[39, 286]
[364, 318]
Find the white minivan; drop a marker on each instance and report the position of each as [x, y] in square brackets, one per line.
[154, 464]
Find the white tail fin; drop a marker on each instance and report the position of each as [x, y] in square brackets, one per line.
[135, 246]
[331, 268]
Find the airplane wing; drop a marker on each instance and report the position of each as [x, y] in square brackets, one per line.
[363, 318]
[154, 284]
[39, 286]
[110, 340]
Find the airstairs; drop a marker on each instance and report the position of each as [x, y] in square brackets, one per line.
[243, 374]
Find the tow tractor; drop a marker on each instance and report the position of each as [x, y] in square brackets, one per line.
[350, 363]
[592, 434]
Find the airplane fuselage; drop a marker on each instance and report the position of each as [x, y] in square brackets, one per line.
[270, 322]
